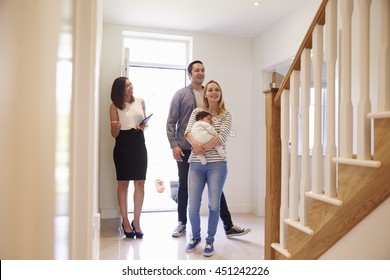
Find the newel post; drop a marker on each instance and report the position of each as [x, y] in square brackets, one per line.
[273, 172]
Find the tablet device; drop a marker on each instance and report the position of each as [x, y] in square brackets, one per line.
[145, 120]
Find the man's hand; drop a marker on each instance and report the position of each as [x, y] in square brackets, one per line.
[177, 154]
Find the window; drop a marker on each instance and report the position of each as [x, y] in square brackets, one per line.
[157, 49]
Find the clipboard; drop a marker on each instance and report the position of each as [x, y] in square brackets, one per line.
[145, 120]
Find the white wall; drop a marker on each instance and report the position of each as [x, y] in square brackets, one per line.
[29, 32]
[366, 241]
[227, 60]
[28, 55]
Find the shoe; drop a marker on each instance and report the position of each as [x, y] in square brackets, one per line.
[236, 231]
[194, 242]
[128, 234]
[179, 230]
[137, 234]
[208, 250]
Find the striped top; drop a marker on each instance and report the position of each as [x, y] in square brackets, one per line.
[222, 124]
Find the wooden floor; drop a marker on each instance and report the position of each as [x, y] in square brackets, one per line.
[158, 244]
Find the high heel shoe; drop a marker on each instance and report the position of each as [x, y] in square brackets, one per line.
[128, 234]
[137, 234]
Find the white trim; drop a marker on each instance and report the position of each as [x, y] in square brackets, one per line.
[379, 115]
[188, 40]
[145, 35]
[298, 226]
[280, 249]
[110, 213]
[358, 162]
[324, 198]
[84, 129]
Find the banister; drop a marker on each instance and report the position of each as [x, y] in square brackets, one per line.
[348, 188]
[306, 44]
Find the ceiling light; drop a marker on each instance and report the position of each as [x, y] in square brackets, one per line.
[256, 3]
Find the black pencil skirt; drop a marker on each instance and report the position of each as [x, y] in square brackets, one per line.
[130, 155]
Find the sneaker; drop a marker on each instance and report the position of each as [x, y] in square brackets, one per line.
[194, 242]
[179, 230]
[208, 250]
[236, 231]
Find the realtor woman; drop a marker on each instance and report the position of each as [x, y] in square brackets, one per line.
[130, 154]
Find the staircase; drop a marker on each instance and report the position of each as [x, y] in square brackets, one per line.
[318, 188]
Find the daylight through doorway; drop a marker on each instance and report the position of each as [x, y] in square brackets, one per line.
[156, 85]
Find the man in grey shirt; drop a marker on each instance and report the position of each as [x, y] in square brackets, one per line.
[183, 103]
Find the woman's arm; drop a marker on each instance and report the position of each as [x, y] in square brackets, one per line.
[224, 130]
[115, 124]
[214, 142]
[197, 148]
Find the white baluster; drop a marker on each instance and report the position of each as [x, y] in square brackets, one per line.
[331, 55]
[294, 184]
[384, 57]
[364, 103]
[346, 111]
[317, 171]
[305, 104]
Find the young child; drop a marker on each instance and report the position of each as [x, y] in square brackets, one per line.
[202, 131]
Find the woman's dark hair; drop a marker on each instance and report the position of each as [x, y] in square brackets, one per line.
[201, 115]
[118, 92]
[189, 68]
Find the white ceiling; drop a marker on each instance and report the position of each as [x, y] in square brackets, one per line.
[226, 17]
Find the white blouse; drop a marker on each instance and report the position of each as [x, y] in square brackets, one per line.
[131, 115]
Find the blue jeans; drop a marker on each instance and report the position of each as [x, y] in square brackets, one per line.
[214, 174]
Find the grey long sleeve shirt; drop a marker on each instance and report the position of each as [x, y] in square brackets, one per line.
[182, 105]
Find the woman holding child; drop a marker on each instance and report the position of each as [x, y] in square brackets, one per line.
[213, 173]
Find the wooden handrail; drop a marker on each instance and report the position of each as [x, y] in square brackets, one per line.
[306, 44]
